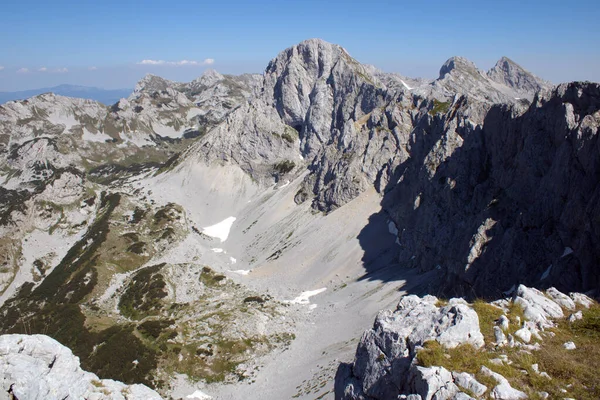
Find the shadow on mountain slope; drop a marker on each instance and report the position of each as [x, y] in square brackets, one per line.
[516, 202]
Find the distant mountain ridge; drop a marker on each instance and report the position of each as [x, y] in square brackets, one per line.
[106, 96]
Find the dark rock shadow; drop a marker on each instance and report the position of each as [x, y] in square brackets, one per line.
[517, 202]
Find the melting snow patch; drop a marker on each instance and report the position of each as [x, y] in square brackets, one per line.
[95, 137]
[304, 296]
[199, 395]
[242, 271]
[217, 250]
[233, 260]
[220, 230]
[405, 85]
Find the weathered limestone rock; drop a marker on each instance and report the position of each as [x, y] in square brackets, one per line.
[499, 336]
[569, 346]
[468, 381]
[524, 335]
[503, 391]
[386, 352]
[434, 383]
[536, 306]
[38, 367]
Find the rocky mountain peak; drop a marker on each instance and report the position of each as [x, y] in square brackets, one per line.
[208, 78]
[309, 67]
[511, 74]
[151, 83]
[457, 63]
[312, 54]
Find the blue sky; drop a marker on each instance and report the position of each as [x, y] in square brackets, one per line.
[102, 43]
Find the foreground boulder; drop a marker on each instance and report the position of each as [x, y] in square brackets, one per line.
[383, 366]
[38, 367]
[386, 365]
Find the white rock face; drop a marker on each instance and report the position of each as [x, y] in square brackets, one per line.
[569, 346]
[575, 316]
[38, 367]
[433, 383]
[582, 299]
[524, 334]
[561, 298]
[503, 322]
[503, 391]
[467, 381]
[537, 307]
[385, 352]
[499, 336]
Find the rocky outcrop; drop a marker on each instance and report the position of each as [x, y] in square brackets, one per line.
[384, 365]
[38, 367]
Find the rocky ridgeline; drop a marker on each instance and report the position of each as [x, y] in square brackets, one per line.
[388, 362]
[499, 163]
[38, 367]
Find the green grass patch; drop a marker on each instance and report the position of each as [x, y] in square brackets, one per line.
[440, 107]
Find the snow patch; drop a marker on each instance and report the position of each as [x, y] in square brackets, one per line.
[217, 250]
[61, 118]
[242, 271]
[305, 296]
[405, 85]
[199, 395]
[192, 113]
[220, 230]
[95, 137]
[138, 139]
[233, 260]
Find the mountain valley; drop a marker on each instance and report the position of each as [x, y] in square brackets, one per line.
[234, 236]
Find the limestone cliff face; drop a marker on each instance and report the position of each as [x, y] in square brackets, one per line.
[508, 199]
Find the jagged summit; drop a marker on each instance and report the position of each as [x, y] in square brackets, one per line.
[209, 77]
[311, 52]
[457, 63]
[511, 74]
[151, 83]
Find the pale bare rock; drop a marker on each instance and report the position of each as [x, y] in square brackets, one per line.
[537, 307]
[503, 391]
[38, 367]
[499, 336]
[468, 381]
[524, 335]
[503, 322]
[386, 352]
[434, 383]
[560, 298]
[575, 316]
[582, 299]
[569, 346]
